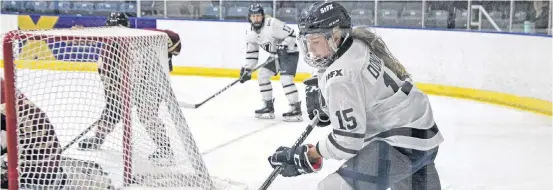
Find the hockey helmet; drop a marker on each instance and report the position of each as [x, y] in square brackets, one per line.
[322, 26]
[256, 10]
[118, 19]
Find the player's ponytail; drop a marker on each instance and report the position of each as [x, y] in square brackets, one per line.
[378, 47]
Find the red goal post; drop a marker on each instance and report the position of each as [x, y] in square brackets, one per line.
[58, 71]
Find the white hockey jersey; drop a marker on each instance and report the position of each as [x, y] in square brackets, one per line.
[273, 33]
[366, 101]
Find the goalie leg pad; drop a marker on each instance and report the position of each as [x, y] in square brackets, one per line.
[148, 116]
[154, 126]
[111, 115]
[91, 143]
[113, 111]
[82, 173]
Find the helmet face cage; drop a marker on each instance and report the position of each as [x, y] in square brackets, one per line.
[319, 26]
[318, 48]
[256, 9]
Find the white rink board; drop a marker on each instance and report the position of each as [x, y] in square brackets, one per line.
[512, 64]
[7, 23]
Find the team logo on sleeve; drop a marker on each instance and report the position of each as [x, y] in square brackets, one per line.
[267, 46]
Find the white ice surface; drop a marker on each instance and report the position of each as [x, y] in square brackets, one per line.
[486, 146]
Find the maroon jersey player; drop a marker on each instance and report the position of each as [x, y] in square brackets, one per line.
[147, 95]
[41, 164]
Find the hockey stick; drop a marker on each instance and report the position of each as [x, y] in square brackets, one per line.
[298, 142]
[194, 106]
[78, 137]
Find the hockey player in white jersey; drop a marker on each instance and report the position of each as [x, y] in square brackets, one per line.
[274, 36]
[382, 124]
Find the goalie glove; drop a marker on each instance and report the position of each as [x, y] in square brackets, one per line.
[314, 102]
[295, 161]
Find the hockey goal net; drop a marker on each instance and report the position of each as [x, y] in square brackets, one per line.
[63, 86]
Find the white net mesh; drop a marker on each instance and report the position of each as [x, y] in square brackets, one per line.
[112, 85]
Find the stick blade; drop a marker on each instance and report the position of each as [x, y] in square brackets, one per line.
[187, 105]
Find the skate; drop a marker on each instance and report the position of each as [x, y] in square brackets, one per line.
[267, 112]
[91, 143]
[294, 115]
[162, 156]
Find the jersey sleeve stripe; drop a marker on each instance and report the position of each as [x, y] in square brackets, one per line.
[409, 132]
[252, 58]
[256, 51]
[348, 134]
[340, 147]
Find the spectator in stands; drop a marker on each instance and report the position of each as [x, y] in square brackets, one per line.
[540, 14]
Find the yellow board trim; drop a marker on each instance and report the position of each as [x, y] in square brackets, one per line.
[513, 101]
[54, 65]
[518, 102]
[523, 103]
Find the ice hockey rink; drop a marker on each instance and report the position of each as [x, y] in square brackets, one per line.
[486, 146]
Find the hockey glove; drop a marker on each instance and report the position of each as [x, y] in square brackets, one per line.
[245, 74]
[314, 101]
[295, 161]
[282, 49]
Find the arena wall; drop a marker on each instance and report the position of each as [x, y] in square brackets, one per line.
[508, 69]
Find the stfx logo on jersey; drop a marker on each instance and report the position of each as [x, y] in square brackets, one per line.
[326, 8]
[335, 73]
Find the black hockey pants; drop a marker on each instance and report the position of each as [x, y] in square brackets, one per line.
[379, 166]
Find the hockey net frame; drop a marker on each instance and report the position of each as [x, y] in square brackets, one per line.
[11, 47]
